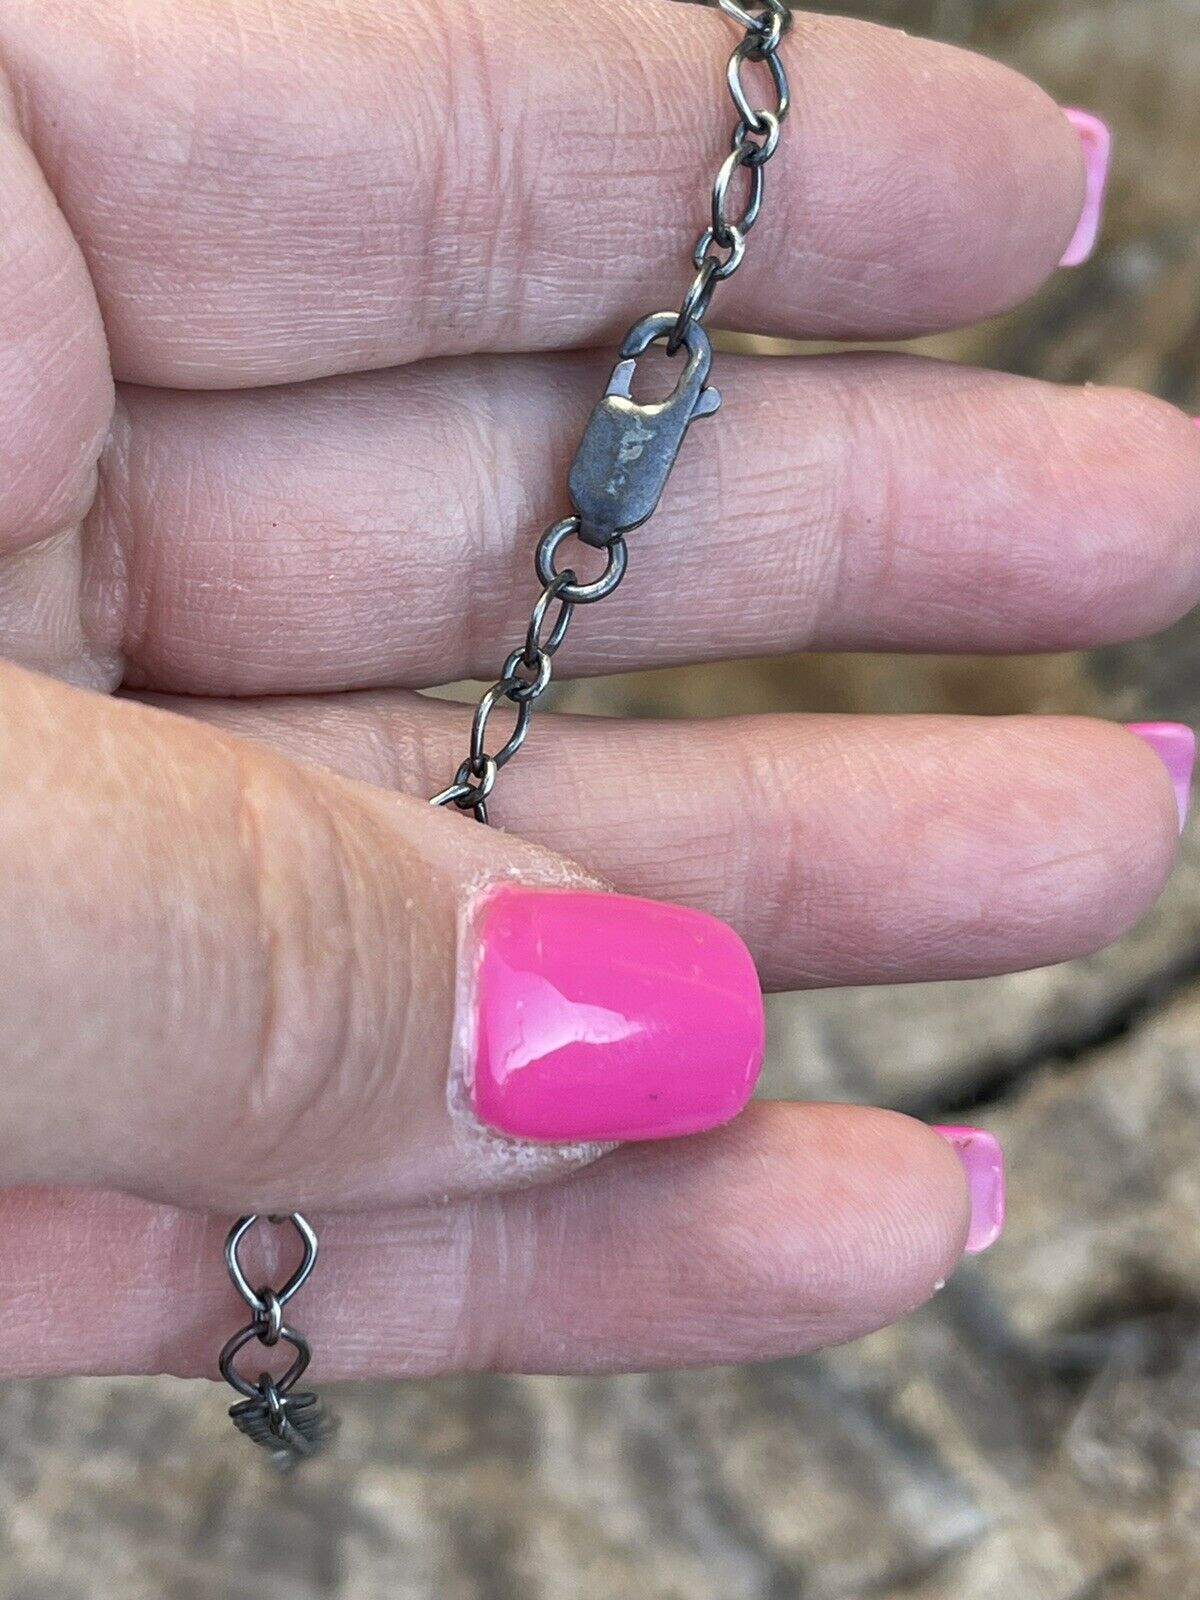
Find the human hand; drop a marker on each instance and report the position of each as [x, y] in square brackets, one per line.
[341, 260]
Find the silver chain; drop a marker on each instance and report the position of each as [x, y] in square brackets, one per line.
[629, 449]
[272, 1414]
[616, 479]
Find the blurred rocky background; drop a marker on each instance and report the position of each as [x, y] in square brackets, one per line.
[1034, 1434]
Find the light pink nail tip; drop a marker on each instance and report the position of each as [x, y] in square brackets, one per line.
[1096, 138]
[983, 1163]
[601, 1017]
[1175, 746]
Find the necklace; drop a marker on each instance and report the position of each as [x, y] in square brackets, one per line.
[616, 480]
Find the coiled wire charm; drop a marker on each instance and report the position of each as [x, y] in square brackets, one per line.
[272, 1413]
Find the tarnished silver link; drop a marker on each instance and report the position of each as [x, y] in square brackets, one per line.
[532, 689]
[535, 645]
[288, 1425]
[721, 248]
[579, 594]
[233, 1258]
[503, 690]
[695, 304]
[743, 155]
[749, 50]
[734, 243]
[272, 1325]
[629, 447]
[770, 130]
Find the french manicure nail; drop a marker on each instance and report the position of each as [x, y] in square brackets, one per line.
[603, 1017]
[983, 1163]
[1175, 746]
[1096, 138]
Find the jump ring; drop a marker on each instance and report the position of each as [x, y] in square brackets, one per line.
[579, 594]
[484, 772]
[273, 1317]
[735, 244]
[520, 691]
[242, 1338]
[744, 136]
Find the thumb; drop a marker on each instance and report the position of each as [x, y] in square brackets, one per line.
[237, 983]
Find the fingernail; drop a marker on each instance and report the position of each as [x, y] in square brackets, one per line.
[1096, 138]
[604, 1017]
[1175, 745]
[983, 1163]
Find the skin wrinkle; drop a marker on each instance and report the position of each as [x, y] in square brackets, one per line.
[842, 849]
[630, 1262]
[829, 556]
[221, 167]
[258, 1086]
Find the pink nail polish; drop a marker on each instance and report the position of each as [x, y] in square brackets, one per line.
[1096, 139]
[604, 1017]
[1175, 746]
[983, 1163]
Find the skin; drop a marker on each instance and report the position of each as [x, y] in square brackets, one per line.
[227, 921]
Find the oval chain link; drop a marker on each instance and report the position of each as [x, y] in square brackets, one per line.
[721, 247]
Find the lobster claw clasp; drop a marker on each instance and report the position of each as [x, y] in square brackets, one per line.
[628, 449]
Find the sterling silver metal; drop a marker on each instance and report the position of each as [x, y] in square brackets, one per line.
[290, 1425]
[621, 468]
[629, 447]
[627, 452]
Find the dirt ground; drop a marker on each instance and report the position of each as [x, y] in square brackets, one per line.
[1034, 1434]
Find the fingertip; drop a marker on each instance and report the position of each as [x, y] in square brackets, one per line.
[906, 1214]
[983, 1167]
[1175, 746]
[1095, 140]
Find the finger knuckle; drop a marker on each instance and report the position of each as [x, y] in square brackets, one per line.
[314, 1065]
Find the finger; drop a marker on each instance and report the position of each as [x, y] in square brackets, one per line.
[230, 981]
[794, 1228]
[55, 407]
[379, 530]
[288, 192]
[844, 850]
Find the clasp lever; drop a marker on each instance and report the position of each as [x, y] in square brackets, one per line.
[628, 449]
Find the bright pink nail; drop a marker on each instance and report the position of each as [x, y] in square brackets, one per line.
[600, 1016]
[1175, 746]
[1096, 139]
[983, 1163]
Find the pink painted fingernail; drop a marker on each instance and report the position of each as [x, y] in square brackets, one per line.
[1096, 139]
[604, 1017]
[1175, 745]
[983, 1163]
